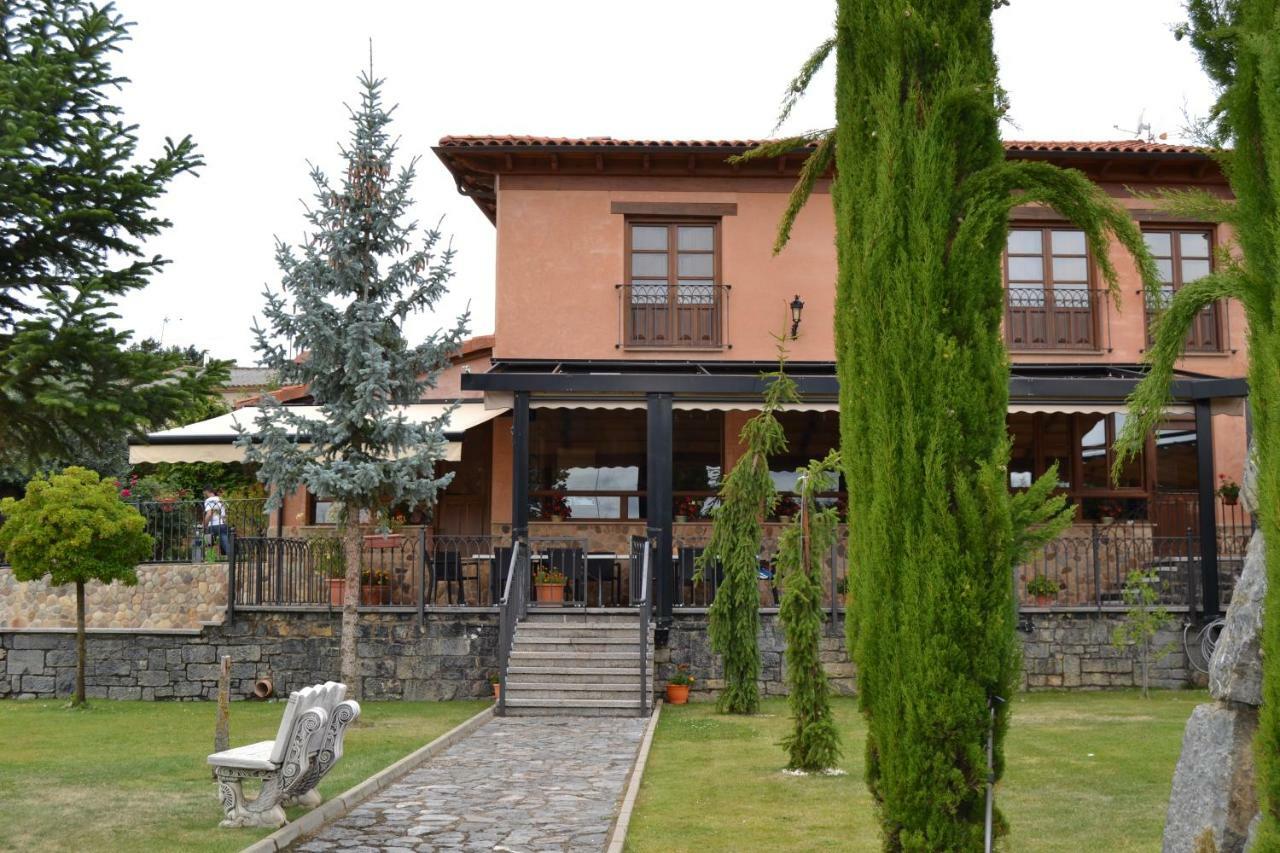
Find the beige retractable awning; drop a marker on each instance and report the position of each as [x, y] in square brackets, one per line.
[680, 405]
[1018, 408]
[213, 440]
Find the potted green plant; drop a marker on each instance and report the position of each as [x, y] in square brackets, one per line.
[678, 685]
[330, 564]
[496, 681]
[375, 584]
[549, 584]
[686, 508]
[1044, 590]
[1228, 489]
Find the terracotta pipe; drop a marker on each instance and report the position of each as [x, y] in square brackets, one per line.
[262, 688]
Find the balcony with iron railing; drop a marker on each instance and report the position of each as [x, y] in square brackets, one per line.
[687, 315]
[1061, 317]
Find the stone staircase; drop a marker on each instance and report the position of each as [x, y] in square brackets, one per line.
[583, 663]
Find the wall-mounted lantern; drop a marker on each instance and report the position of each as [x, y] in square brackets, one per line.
[797, 306]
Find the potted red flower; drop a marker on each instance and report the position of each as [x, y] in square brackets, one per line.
[549, 584]
[1228, 489]
[555, 507]
[687, 508]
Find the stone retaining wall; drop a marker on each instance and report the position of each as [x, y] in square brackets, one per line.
[167, 596]
[446, 657]
[451, 655]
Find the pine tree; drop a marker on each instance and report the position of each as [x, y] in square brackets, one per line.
[76, 204]
[747, 496]
[814, 742]
[922, 194]
[345, 294]
[1238, 41]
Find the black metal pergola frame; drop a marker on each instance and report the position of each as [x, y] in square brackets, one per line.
[662, 382]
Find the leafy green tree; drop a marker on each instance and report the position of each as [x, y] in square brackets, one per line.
[922, 194]
[346, 292]
[76, 203]
[746, 498]
[814, 742]
[73, 528]
[1237, 41]
[1143, 619]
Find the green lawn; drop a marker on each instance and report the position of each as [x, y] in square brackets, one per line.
[132, 775]
[1087, 771]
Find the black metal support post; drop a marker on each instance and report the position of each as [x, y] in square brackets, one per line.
[1208, 507]
[520, 467]
[659, 507]
[231, 580]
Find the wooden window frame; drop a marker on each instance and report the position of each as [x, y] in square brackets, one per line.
[1048, 286]
[673, 278]
[1077, 491]
[1175, 232]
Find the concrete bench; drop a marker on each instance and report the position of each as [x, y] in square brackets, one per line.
[307, 745]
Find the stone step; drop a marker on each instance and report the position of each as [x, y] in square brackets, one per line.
[586, 627]
[594, 660]
[568, 706]
[573, 635]
[582, 674]
[541, 711]
[579, 616]
[573, 686]
[576, 650]
[556, 693]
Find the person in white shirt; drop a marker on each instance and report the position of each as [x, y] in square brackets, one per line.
[215, 520]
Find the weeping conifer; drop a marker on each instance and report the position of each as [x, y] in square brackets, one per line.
[746, 497]
[922, 194]
[1239, 47]
[814, 742]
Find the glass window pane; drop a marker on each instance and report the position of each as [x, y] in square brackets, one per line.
[1093, 452]
[1176, 465]
[1193, 245]
[810, 435]
[1055, 446]
[649, 264]
[648, 236]
[1071, 295]
[1021, 459]
[1131, 472]
[566, 452]
[1158, 243]
[695, 293]
[695, 265]
[1164, 266]
[699, 237]
[1068, 242]
[649, 292]
[1070, 269]
[1025, 269]
[1194, 269]
[1024, 242]
[1022, 296]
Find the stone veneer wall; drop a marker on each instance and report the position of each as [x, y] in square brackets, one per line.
[167, 596]
[451, 655]
[448, 656]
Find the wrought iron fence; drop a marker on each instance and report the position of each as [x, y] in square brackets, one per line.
[179, 534]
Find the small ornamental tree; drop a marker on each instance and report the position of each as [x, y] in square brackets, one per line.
[746, 499]
[1143, 619]
[346, 292]
[922, 193]
[73, 528]
[814, 742]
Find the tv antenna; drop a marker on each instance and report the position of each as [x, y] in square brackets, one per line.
[1143, 130]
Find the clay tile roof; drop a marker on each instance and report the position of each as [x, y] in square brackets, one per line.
[1126, 146]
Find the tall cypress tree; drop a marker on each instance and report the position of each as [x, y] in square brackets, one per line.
[1239, 46]
[814, 741]
[922, 194]
[345, 293]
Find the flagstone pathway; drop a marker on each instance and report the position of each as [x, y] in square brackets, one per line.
[519, 784]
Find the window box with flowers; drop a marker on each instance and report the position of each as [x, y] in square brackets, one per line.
[549, 586]
[678, 685]
[1228, 490]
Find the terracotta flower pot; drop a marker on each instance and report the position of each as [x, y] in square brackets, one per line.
[337, 586]
[497, 691]
[374, 594]
[383, 540]
[550, 593]
[677, 694]
[1044, 600]
[1230, 500]
[555, 518]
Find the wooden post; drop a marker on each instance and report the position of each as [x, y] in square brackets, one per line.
[222, 729]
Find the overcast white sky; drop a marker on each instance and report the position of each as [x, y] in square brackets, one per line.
[261, 88]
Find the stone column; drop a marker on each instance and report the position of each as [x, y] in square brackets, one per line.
[1214, 798]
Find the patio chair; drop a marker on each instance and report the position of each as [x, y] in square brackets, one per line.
[700, 594]
[601, 571]
[446, 568]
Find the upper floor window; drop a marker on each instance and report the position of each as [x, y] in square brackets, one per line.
[1182, 256]
[672, 296]
[1050, 302]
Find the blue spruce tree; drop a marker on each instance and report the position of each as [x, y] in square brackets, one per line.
[363, 268]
